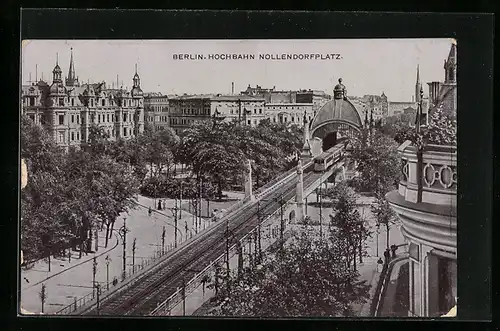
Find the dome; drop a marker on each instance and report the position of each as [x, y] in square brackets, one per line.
[337, 110]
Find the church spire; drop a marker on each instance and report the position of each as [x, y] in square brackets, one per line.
[71, 80]
[418, 85]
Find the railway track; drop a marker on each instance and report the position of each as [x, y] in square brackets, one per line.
[147, 292]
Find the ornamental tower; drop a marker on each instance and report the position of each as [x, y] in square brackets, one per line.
[72, 80]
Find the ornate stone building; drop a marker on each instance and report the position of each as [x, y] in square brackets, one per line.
[426, 203]
[156, 110]
[68, 109]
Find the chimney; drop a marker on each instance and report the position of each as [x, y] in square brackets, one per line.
[232, 88]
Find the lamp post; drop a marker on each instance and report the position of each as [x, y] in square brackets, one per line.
[108, 260]
[163, 234]
[133, 255]
[123, 233]
[419, 147]
[378, 229]
[98, 290]
[94, 271]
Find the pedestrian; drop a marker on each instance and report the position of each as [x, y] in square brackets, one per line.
[159, 204]
[150, 211]
[393, 249]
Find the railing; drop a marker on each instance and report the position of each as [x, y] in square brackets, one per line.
[167, 305]
[433, 181]
[282, 179]
[385, 275]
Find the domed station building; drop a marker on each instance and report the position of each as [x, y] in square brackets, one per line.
[337, 119]
[426, 202]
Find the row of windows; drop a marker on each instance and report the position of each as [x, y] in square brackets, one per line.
[254, 111]
[181, 121]
[284, 119]
[195, 111]
[101, 118]
[101, 102]
[286, 107]
[76, 135]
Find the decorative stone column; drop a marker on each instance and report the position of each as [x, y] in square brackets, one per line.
[248, 183]
[299, 193]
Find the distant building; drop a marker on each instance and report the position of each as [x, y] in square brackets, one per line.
[316, 97]
[289, 112]
[398, 107]
[156, 110]
[68, 109]
[246, 109]
[187, 109]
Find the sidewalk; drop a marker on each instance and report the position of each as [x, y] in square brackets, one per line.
[68, 281]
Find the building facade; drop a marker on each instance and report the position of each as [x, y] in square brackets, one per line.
[292, 113]
[67, 109]
[316, 97]
[156, 110]
[426, 203]
[186, 110]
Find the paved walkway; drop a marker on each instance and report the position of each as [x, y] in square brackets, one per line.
[68, 281]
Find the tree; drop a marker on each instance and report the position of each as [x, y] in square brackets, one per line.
[38, 148]
[384, 215]
[378, 161]
[306, 278]
[346, 224]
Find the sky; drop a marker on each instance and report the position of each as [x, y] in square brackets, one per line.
[366, 66]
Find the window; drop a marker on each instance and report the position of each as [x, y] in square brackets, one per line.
[91, 102]
[72, 118]
[103, 102]
[72, 136]
[249, 122]
[255, 111]
[61, 119]
[107, 117]
[61, 137]
[124, 132]
[72, 101]
[99, 118]
[32, 101]
[61, 101]
[124, 117]
[260, 111]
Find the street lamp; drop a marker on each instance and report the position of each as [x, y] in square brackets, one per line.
[108, 260]
[123, 232]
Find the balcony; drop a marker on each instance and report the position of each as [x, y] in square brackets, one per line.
[427, 195]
